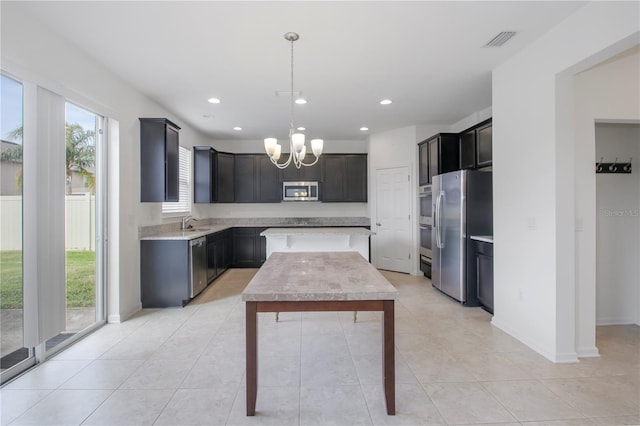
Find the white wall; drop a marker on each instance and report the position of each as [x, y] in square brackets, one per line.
[609, 91]
[31, 52]
[617, 227]
[533, 170]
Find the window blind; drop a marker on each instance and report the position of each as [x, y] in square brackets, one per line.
[183, 205]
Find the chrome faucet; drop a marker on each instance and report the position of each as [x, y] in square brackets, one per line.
[185, 221]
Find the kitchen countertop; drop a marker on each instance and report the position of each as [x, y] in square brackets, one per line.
[315, 231]
[206, 226]
[318, 276]
[483, 238]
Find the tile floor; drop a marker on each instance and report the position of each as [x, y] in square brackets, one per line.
[186, 367]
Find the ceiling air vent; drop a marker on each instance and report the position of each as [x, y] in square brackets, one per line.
[500, 39]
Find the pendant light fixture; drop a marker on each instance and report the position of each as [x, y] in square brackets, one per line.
[297, 148]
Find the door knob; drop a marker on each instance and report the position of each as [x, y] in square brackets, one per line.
[378, 224]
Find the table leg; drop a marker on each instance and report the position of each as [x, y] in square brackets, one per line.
[388, 356]
[252, 356]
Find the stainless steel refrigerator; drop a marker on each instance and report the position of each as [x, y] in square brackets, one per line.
[462, 206]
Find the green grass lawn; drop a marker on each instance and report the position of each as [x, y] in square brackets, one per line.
[80, 279]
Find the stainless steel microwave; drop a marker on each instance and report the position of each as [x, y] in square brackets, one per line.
[299, 191]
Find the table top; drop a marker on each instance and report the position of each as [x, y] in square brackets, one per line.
[318, 276]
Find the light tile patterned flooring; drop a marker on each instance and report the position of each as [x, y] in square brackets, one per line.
[186, 366]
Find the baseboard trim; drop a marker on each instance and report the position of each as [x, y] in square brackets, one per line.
[590, 352]
[615, 321]
[564, 358]
[119, 318]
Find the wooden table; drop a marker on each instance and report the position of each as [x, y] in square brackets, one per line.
[320, 281]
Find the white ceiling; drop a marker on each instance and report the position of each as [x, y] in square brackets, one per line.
[428, 57]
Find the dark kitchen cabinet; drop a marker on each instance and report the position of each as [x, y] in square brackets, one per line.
[268, 184]
[480, 271]
[423, 164]
[443, 154]
[164, 273]
[250, 249]
[219, 253]
[303, 174]
[344, 178]
[256, 180]
[212, 176]
[468, 149]
[159, 163]
[476, 146]
[484, 145]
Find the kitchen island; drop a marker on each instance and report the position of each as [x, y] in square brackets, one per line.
[317, 239]
[319, 281]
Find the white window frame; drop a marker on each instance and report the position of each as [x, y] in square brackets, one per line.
[183, 205]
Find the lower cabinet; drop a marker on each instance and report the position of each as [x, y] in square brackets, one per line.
[165, 275]
[250, 249]
[219, 253]
[482, 271]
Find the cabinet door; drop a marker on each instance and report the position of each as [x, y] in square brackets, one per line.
[333, 178]
[225, 174]
[290, 174]
[434, 159]
[261, 245]
[172, 164]
[356, 178]
[245, 179]
[211, 258]
[423, 164]
[203, 175]
[468, 150]
[484, 145]
[311, 173]
[484, 269]
[244, 241]
[159, 163]
[268, 187]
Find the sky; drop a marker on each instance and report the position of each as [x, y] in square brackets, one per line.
[11, 109]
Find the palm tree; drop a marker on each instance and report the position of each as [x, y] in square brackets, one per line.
[81, 152]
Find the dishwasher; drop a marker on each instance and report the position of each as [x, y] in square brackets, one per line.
[198, 265]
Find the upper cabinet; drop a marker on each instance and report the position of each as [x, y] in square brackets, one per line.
[438, 154]
[212, 176]
[476, 146]
[158, 160]
[303, 174]
[256, 179]
[344, 178]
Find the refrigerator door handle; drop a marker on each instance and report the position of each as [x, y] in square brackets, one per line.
[437, 221]
[442, 230]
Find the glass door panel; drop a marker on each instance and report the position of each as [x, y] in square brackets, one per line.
[80, 221]
[12, 313]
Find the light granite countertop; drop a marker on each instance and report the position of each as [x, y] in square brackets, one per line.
[319, 276]
[315, 231]
[483, 238]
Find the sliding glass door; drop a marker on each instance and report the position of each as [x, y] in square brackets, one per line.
[53, 220]
[12, 313]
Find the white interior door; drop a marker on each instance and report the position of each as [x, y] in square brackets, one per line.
[393, 219]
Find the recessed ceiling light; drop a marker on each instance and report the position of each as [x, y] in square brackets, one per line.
[301, 101]
[364, 129]
[302, 129]
[385, 102]
[213, 100]
[237, 128]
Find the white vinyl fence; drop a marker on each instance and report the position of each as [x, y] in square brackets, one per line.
[80, 217]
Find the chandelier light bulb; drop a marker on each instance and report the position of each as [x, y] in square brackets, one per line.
[270, 146]
[297, 140]
[316, 146]
[276, 154]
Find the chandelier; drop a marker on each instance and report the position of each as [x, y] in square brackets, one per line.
[297, 148]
